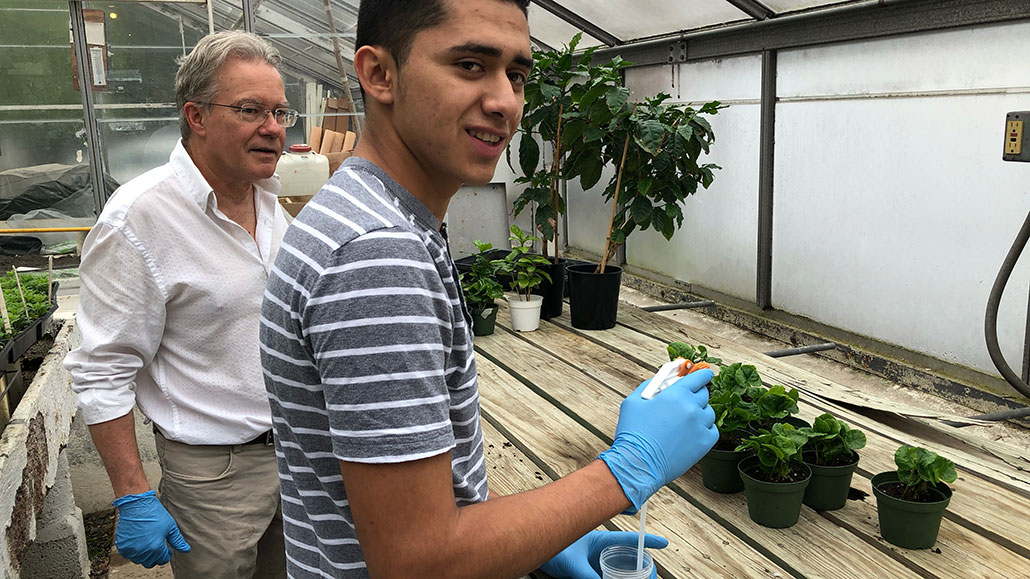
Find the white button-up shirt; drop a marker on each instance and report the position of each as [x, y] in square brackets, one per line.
[170, 305]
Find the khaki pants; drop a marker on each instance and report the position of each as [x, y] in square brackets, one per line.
[225, 500]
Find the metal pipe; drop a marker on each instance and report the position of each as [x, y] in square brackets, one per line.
[682, 306]
[801, 350]
[43, 230]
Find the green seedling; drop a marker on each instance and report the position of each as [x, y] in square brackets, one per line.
[830, 439]
[919, 469]
[777, 450]
[525, 268]
[693, 353]
[480, 284]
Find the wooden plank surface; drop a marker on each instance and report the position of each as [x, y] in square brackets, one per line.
[979, 503]
[698, 547]
[1011, 464]
[985, 495]
[585, 374]
[812, 548]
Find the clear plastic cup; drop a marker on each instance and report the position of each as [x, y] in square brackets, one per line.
[620, 562]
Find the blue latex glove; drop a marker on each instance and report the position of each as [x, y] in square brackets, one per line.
[582, 559]
[145, 529]
[657, 440]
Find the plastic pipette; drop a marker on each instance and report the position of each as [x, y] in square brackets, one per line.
[640, 539]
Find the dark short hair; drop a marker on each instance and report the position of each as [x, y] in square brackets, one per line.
[393, 24]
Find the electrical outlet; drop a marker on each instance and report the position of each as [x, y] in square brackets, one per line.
[1017, 140]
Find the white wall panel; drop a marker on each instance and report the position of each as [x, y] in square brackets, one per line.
[892, 217]
[968, 58]
[717, 245]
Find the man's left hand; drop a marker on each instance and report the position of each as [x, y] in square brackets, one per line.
[581, 560]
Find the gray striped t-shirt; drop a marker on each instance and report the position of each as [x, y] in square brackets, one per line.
[367, 355]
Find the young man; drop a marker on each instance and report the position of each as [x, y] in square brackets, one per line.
[367, 347]
[172, 278]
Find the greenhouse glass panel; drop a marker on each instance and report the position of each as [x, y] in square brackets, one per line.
[43, 160]
[635, 19]
[553, 31]
[780, 6]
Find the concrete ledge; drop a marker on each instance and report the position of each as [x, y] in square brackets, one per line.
[31, 463]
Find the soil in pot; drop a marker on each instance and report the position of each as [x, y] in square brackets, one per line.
[831, 483]
[910, 524]
[593, 297]
[774, 504]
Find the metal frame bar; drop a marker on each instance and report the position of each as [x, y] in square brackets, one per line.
[766, 167]
[92, 129]
[828, 25]
[579, 22]
[753, 8]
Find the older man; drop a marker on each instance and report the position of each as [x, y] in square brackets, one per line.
[172, 280]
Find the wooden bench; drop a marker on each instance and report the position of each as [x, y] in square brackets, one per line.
[550, 403]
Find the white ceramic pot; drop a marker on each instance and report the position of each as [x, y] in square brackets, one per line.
[525, 316]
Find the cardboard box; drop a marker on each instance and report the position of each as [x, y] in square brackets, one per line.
[336, 159]
[293, 205]
[338, 124]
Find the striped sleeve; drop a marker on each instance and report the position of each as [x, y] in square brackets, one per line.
[378, 323]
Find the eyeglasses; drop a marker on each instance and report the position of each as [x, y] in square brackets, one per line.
[285, 118]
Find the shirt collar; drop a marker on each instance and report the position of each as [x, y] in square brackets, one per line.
[411, 204]
[196, 185]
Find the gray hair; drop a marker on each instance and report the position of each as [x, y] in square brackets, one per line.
[197, 77]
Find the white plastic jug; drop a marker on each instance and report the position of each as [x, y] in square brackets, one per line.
[301, 171]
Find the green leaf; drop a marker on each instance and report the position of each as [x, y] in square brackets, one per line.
[641, 210]
[649, 135]
[590, 172]
[572, 131]
[529, 154]
[550, 92]
[593, 133]
[616, 98]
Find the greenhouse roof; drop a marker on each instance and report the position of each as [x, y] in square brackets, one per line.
[643, 31]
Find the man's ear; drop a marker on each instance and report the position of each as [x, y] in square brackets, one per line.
[196, 118]
[377, 73]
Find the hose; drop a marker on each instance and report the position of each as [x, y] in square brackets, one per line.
[991, 322]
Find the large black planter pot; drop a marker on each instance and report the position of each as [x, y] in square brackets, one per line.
[483, 320]
[593, 297]
[719, 470]
[829, 488]
[775, 505]
[552, 291]
[909, 524]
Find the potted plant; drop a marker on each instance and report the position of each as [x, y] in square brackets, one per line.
[481, 288]
[911, 501]
[550, 115]
[775, 478]
[730, 397]
[655, 147]
[831, 454]
[526, 270]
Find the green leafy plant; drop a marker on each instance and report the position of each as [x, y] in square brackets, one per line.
[549, 107]
[480, 284]
[693, 353]
[778, 450]
[527, 269]
[731, 395]
[919, 469]
[35, 288]
[773, 404]
[831, 440]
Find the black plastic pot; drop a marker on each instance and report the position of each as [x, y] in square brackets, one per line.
[464, 265]
[719, 471]
[593, 297]
[552, 291]
[775, 505]
[828, 490]
[483, 319]
[909, 524]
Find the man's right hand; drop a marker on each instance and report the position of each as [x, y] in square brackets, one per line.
[657, 440]
[145, 529]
